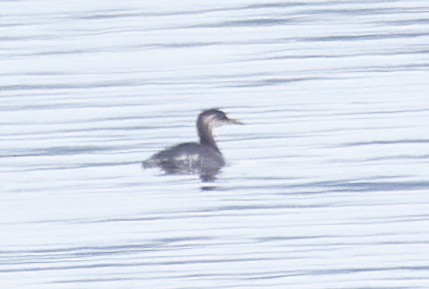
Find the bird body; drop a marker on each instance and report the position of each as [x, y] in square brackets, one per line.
[187, 157]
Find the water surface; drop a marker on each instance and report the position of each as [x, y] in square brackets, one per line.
[326, 185]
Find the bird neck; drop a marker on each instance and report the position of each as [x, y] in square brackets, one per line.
[206, 136]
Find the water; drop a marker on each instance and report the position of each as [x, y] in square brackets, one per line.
[327, 183]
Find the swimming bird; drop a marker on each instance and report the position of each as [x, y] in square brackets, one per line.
[203, 157]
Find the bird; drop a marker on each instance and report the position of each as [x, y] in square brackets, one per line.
[203, 157]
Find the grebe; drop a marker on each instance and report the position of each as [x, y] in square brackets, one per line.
[203, 157]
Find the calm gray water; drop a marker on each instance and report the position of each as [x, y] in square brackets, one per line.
[327, 184]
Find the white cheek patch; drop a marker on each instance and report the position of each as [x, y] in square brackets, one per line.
[210, 121]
